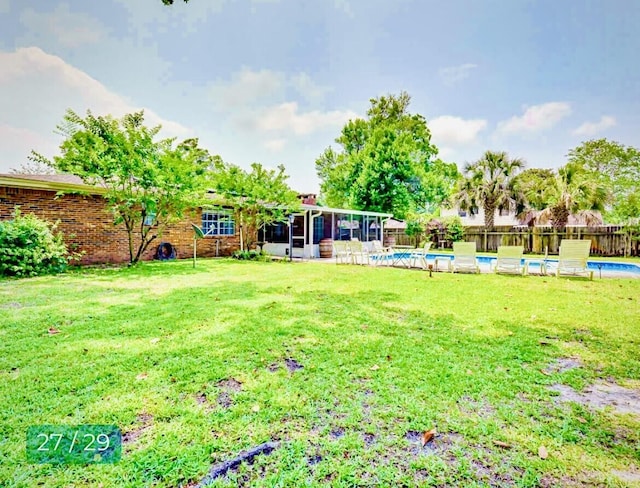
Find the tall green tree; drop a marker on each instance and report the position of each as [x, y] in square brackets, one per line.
[259, 197]
[534, 184]
[148, 183]
[386, 162]
[618, 168]
[574, 191]
[489, 183]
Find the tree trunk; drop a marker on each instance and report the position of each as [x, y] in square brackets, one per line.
[489, 215]
[559, 216]
[143, 247]
[129, 228]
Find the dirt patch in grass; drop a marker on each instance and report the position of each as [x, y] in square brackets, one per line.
[11, 305]
[441, 444]
[145, 421]
[480, 459]
[562, 365]
[292, 365]
[230, 384]
[314, 459]
[632, 476]
[368, 439]
[481, 408]
[227, 386]
[566, 481]
[600, 395]
[336, 433]
[273, 367]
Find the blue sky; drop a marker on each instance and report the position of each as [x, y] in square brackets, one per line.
[273, 81]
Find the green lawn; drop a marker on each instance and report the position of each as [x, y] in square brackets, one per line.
[190, 364]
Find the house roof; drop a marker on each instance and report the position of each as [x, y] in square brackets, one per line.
[306, 206]
[58, 182]
[396, 224]
[62, 182]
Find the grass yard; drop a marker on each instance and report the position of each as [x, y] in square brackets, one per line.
[345, 367]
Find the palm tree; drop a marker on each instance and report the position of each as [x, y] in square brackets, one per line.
[576, 192]
[489, 183]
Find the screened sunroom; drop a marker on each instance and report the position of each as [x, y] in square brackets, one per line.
[313, 224]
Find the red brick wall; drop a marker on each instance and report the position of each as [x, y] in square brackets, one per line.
[88, 227]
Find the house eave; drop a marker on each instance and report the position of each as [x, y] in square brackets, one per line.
[57, 186]
[318, 208]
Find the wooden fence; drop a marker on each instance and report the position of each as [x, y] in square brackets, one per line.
[609, 240]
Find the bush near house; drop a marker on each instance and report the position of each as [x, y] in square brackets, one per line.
[30, 246]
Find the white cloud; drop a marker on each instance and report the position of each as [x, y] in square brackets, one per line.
[35, 90]
[453, 74]
[308, 89]
[69, 29]
[593, 128]
[247, 87]
[536, 118]
[455, 131]
[286, 118]
[17, 143]
[275, 145]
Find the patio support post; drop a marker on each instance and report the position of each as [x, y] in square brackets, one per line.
[333, 226]
[350, 226]
[291, 219]
[312, 219]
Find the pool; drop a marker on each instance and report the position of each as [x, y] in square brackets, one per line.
[606, 266]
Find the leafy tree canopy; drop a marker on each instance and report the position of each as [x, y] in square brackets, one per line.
[259, 197]
[534, 184]
[148, 183]
[490, 183]
[573, 191]
[386, 162]
[618, 168]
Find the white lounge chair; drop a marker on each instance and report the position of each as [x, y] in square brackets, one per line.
[380, 254]
[359, 253]
[342, 252]
[509, 260]
[573, 257]
[419, 256]
[464, 258]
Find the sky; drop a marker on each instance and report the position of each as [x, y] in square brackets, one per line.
[274, 81]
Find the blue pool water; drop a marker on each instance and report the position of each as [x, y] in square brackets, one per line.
[594, 265]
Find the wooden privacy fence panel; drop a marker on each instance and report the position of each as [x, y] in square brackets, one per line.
[609, 240]
[606, 240]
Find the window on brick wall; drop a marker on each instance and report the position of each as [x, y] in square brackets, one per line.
[218, 223]
[149, 219]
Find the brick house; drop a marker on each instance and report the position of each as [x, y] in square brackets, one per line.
[88, 227]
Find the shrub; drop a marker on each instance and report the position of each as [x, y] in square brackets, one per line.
[454, 230]
[448, 229]
[252, 255]
[29, 246]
